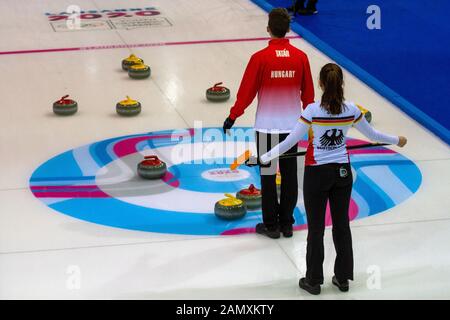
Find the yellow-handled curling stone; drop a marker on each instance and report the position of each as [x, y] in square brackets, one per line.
[128, 107]
[65, 106]
[218, 93]
[366, 113]
[278, 183]
[130, 61]
[230, 208]
[139, 71]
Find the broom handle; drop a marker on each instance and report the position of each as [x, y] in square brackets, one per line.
[359, 146]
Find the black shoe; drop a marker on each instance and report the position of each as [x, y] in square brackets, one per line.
[303, 283]
[296, 7]
[309, 10]
[287, 231]
[271, 233]
[342, 285]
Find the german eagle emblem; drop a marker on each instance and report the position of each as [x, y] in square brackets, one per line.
[332, 137]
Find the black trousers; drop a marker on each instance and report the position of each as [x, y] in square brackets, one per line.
[277, 214]
[333, 183]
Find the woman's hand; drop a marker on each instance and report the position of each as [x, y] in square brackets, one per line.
[402, 141]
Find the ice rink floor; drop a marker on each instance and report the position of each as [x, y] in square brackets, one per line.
[402, 253]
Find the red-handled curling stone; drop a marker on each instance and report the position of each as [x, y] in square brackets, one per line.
[152, 168]
[218, 93]
[251, 197]
[65, 106]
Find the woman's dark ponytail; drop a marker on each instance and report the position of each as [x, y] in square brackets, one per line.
[332, 80]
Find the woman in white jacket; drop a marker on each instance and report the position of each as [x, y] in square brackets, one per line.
[328, 176]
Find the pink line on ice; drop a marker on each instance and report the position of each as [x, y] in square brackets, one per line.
[63, 187]
[85, 194]
[169, 178]
[371, 151]
[237, 231]
[139, 45]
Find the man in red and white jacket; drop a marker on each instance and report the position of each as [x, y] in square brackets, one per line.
[281, 77]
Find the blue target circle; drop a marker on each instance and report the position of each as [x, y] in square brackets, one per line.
[98, 183]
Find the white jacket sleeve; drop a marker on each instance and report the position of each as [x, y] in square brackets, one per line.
[291, 140]
[366, 129]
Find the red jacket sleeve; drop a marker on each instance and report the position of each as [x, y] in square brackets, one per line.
[248, 89]
[307, 87]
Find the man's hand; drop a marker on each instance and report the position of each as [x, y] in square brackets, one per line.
[227, 124]
[255, 161]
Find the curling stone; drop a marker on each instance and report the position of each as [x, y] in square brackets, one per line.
[131, 61]
[278, 183]
[128, 107]
[230, 208]
[218, 93]
[251, 197]
[65, 106]
[139, 71]
[151, 168]
[367, 114]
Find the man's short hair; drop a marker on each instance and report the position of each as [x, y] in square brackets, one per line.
[279, 21]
